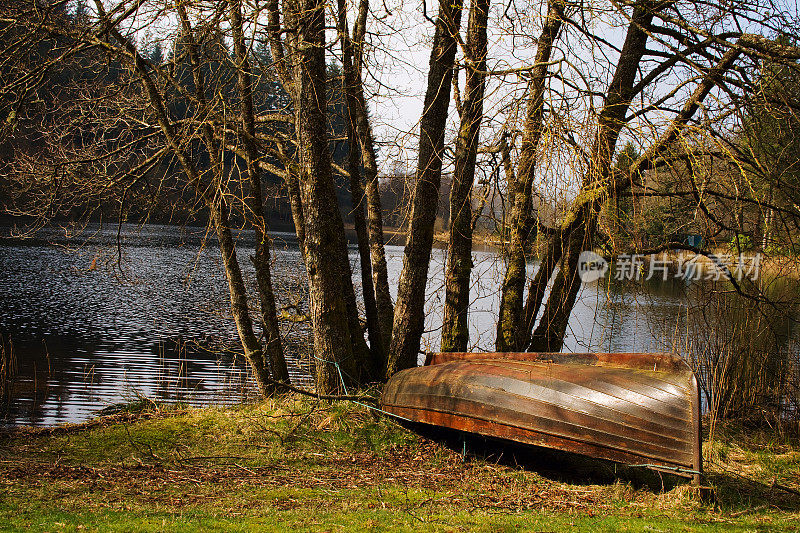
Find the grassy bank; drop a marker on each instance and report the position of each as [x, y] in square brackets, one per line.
[306, 465]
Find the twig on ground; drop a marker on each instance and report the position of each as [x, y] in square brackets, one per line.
[332, 397]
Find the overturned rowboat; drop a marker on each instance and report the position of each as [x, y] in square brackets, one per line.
[632, 408]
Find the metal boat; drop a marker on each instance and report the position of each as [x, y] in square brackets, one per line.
[633, 408]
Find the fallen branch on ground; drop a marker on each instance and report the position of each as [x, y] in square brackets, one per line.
[334, 397]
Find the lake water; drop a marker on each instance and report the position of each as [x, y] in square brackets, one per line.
[98, 318]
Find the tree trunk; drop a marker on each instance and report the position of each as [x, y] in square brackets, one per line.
[358, 108]
[537, 288]
[510, 322]
[549, 336]
[261, 259]
[238, 293]
[409, 319]
[218, 210]
[350, 86]
[361, 366]
[367, 287]
[323, 240]
[455, 328]
[380, 272]
[292, 183]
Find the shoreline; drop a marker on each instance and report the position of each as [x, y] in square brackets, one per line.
[292, 462]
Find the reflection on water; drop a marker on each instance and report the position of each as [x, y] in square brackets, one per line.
[608, 315]
[66, 379]
[90, 323]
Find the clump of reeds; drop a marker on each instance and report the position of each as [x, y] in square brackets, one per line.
[8, 371]
[747, 363]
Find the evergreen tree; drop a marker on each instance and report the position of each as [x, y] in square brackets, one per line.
[156, 55]
[770, 142]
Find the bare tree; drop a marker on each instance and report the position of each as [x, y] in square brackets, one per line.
[455, 330]
[210, 190]
[510, 323]
[409, 313]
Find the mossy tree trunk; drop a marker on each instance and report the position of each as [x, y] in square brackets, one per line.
[510, 321]
[261, 259]
[352, 88]
[324, 244]
[369, 163]
[582, 218]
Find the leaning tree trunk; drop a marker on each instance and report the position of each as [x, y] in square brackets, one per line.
[455, 328]
[511, 310]
[549, 336]
[350, 86]
[583, 214]
[536, 289]
[216, 204]
[582, 220]
[369, 163]
[261, 259]
[409, 319]
[238, 293]
[220, 214]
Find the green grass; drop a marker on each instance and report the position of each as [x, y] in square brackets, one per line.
[295, 463]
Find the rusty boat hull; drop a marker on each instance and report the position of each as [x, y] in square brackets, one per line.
[637, 409]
